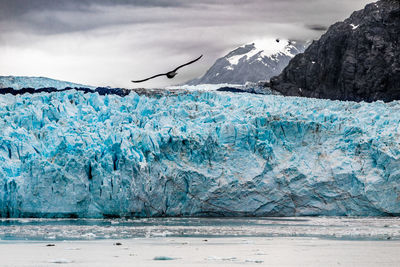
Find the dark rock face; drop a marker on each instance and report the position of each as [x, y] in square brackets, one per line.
[357, 59]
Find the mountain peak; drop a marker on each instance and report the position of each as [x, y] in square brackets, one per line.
[252, 62]
[266, 48]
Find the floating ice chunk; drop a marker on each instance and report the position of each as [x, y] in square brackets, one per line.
[89, 236]
[161, 234]
[164, 258]
[61, 261]
[254, 261]
[215, 258]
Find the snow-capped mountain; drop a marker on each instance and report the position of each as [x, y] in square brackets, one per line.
[258, 61]
[19, 82]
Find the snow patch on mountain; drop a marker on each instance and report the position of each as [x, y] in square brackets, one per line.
[354, 27]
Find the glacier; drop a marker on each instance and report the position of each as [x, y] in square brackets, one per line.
[19, 82]
[70, 154]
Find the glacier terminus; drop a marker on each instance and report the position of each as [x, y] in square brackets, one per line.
[70, 154]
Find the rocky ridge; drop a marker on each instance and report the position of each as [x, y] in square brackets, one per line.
[357, 59]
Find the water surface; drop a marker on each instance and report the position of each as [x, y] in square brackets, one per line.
[344, 228]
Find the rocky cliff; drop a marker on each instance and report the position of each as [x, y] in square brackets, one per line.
[357, 59]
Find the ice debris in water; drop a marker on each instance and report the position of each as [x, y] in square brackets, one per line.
[254, 261]
[215, 258]
[163, 258]
[69, 154]
[61, 261]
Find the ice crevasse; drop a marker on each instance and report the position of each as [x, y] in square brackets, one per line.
[70, 154]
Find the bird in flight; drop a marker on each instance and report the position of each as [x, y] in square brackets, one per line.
[170, 74]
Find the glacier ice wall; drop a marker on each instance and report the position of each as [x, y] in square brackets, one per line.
[71, 154]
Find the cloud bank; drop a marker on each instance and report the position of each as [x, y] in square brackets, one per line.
[106, 42]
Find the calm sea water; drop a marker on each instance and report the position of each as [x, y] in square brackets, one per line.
[320, 227]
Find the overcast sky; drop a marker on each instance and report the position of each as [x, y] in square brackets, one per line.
[109, 43]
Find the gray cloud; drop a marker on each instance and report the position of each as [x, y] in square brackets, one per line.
[104, 43]
[51, 17]
[12, 8]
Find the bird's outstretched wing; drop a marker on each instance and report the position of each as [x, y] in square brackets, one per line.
[187, 63]
[152, 77]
